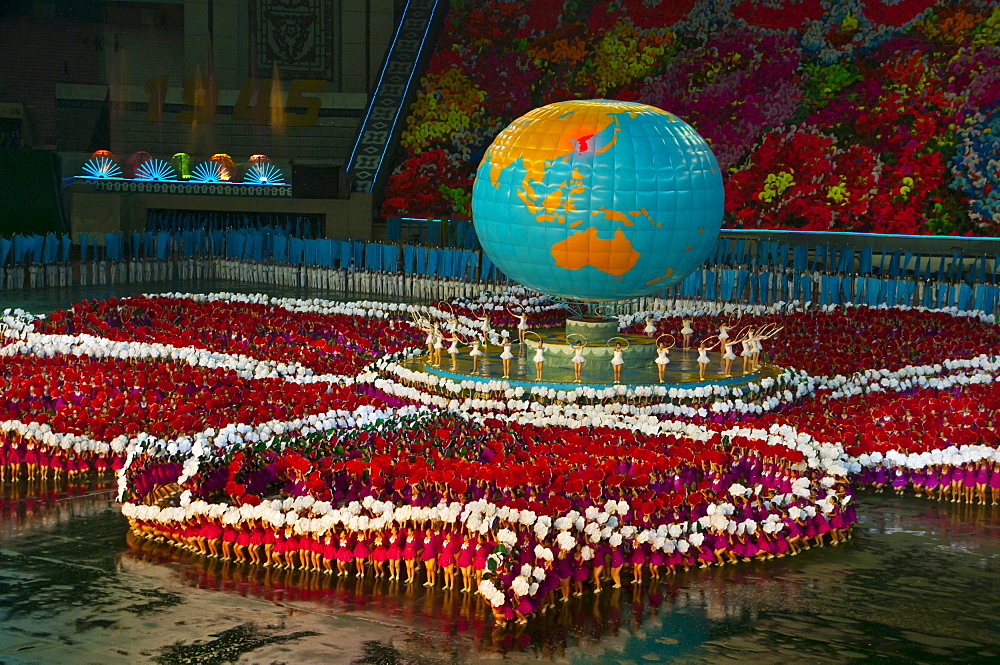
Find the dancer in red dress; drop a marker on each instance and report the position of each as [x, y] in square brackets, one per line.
[429, 555]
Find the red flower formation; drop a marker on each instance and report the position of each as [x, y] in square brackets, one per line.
[325, 343]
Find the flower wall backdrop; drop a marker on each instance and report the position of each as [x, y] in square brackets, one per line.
[853, 115]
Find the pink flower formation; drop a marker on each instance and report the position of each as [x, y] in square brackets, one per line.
[861, 111]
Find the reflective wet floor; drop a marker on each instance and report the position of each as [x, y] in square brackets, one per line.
[919, 583]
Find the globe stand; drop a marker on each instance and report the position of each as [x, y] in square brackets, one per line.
[592, 328]
[604, 308]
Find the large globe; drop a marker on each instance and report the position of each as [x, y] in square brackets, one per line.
[598, 200]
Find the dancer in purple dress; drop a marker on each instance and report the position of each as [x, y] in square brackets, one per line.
[995, 482]
[638, 559]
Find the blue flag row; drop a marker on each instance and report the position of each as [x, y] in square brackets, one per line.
[48, 249]
[855, 261]
[264, 244]
[765, 287]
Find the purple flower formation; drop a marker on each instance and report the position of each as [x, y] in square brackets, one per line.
[732, 90]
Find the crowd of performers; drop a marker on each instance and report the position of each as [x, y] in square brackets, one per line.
[969, 482]
[381, 283]
[940, 442]
[22, 457]
[525, 517]
[325, 342]
[470, 525]
[839, 341]
[450, 335]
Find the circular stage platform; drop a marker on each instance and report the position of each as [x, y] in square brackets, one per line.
[682, 372]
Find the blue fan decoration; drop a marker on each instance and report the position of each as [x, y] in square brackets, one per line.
[101, 167]
[264, 174]
[155, 169]
[212, 172]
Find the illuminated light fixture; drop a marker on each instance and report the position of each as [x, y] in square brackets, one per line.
[182, 164]
[101, 167]
[211, 172]
[226, 162]
[155, 169]
[264, 174]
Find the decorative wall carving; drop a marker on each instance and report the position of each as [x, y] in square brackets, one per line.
[295, 35]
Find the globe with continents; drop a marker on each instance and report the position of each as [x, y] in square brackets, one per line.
[598, 200]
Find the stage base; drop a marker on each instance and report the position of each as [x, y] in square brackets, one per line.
[682, 372]
[637, 351]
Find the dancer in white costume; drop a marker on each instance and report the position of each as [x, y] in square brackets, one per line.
[663, 353]
[703, 348]
[758, 347]
[438, 346]
[650, 328]
[522, 324]
[728, 357]
[686, 332]
[475, 353]
[746, 342]
[617, 359]
[425, 326]
[724, 338]
[578, 358]
[485, 321]
[539, 359]
[453, 350]
[506, 357]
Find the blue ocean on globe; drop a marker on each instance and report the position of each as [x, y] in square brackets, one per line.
[598, 200]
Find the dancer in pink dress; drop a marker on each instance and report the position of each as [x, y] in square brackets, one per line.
[380, 554]
[429, 555]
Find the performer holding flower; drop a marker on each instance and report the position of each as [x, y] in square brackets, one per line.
[410, 550]
[429, 555]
